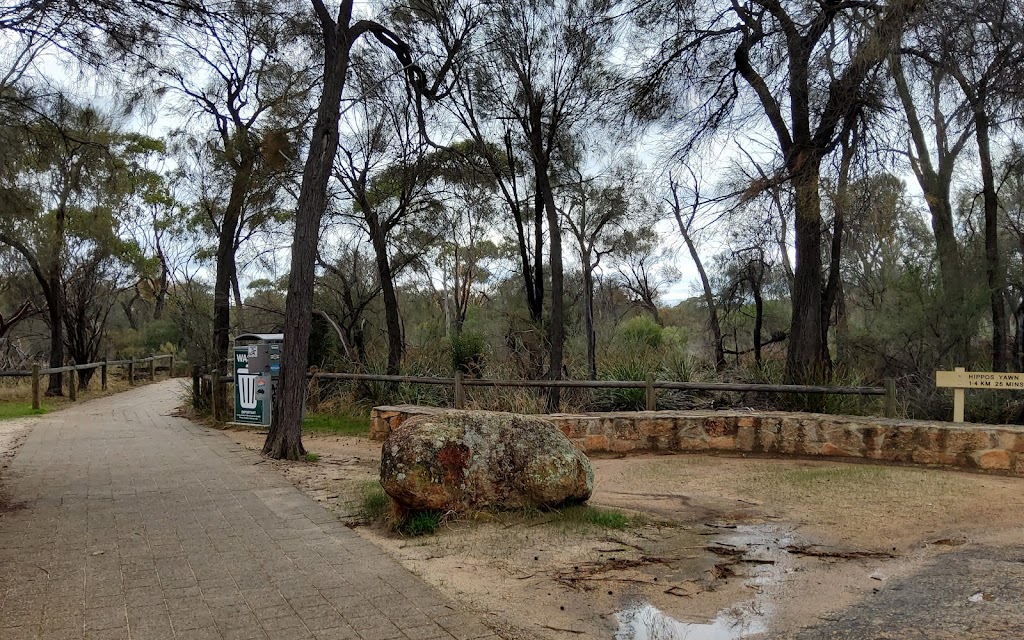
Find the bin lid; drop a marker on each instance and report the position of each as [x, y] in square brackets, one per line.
[265, 337]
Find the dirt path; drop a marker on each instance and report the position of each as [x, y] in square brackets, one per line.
[732, 547]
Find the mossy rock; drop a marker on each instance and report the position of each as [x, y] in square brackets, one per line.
[471, 460]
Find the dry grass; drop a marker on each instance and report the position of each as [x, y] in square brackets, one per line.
[18, 391]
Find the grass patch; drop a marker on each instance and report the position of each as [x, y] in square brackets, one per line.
[337, 424]
[18, 409]
[311, 457]
[374, 504]
[422, 523]
[818, 476]
[583, 515]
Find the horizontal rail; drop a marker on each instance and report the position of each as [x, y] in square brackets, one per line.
[82, 367]
[611, 384]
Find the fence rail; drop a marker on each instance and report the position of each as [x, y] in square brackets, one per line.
[204, 386]
[132, 366]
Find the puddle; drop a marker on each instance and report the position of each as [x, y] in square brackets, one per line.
[752, 553]
[644, 622]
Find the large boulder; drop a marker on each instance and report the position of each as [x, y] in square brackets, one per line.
[465, 460]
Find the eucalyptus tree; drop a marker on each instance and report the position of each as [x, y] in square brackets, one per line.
[979, 47]
[243, 74]
[539, 76]
[385, 168]
[338, 32]
[684, 203]
[65, 188]
[804, 70]
[599, 211]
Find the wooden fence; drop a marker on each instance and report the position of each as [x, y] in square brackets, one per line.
[132, 366]
[202, 386]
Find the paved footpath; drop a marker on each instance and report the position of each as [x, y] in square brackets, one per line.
[134, 524]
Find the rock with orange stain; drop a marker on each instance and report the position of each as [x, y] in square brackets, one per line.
[468, 460]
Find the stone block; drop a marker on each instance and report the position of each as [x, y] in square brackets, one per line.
[1011, 440]
[571, 427]
[691, 444]
[595, 443]
[992, 459]
[746, 438]
[656, 427]
[967, 440]
[720, 426]
[722, 443]
[598, 426]
[623, 445]
[625, 428]
[829, 449]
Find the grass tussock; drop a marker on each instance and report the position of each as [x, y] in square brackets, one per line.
[582, 516]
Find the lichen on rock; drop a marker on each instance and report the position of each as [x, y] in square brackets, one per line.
[467, 460]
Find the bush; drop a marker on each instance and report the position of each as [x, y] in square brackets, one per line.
[641, 331]
[468, 353]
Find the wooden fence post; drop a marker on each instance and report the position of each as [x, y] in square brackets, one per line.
[35, 387]
[170, 367]
[152, 368]
[890, 398]
[214, 390]
[197, 394]
[652, 399]
[131, 372]
[103, 375]
[460, 391]
[314, 389]
[73, 383]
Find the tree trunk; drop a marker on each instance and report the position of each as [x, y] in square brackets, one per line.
[755, 288]
[1000, 324]
[588, 314]
[393, 320]
[1018, 343]
[709, 295]
[835, 251]
[805, 359]
[55, 312]
[285, 437]
[222, 280]
[556, 329]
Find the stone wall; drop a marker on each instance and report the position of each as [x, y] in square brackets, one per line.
[967, 446]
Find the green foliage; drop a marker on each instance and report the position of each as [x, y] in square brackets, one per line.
[641, 331]
[584, 516]
[468, 353]
[311, 457]
[374, 503]
[18, 410]
[337, 424]
[625, 399]
[421, 523]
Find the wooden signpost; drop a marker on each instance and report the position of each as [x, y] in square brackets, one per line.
[960, 379]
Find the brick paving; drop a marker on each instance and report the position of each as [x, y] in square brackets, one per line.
[130, 523]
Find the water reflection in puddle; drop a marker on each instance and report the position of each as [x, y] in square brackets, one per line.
[758, 548]
[644, 622]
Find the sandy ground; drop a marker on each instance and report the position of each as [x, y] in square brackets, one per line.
[12, 433]
[721, 547]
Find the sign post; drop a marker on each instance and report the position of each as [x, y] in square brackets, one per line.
[960, 379]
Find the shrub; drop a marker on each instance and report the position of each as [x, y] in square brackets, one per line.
[641, 331]
[468, 353]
